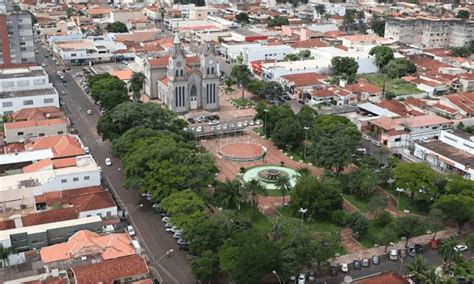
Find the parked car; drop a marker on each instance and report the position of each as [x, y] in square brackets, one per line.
[393, 254]
[333, 270]
[87, 150]
[258, 121]
[376, 260]
[411, 250]
[89, 112]
[312, 276]
[365, 262]
[130, 231]
[251, 123]
[419, 248]
[302, 278]
[214, 122]
[344, 267]
[356, 264]
[366, 137]
[165, 219]
[376, 143]
[246, 123]
[286, 97]
[460, 248]
[191, 120]
[63, 93]
[178, 234]
[108, 162]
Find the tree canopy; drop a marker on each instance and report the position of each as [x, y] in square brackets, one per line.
[109, 90]
[277, 21]
[116, 27]
[136, 85]
[378, 25]
[398, 68]
[344, 67]
[417, 178]
[242, 18]
[463, 14]
[383, 55]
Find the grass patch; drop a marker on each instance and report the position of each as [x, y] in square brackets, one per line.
[395, 86]
[406, 203]
[316, 225]
[372, 236]
[357, 202]
[243, 102]
[260, 222]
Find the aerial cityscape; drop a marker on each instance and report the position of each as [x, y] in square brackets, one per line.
[236, 141]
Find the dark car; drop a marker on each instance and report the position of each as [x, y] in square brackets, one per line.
[312, 276]
[281, 99]
[333, 271]
[376, 260]
[286, 97]
[418, 248]
[301, 102]
[356, 264]
[213, 117]
[191, 120]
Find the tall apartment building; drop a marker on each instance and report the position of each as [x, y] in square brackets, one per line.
[429, 32]
[16, 37]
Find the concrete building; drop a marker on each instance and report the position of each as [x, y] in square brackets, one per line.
[427, 32]
[18, 131]
[25, 88]
[16, 37]
[125, 15]
[454, 152]
[266, 52]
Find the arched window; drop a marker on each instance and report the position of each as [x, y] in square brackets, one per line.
[177, 73]
[212, 70]
[207, 70]
[181, 73]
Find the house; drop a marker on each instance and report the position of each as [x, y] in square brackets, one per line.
[467, 82]
[118, 270]
[400, 108]
[365, 91]
[297, 84]
[332, 95]
[453, 151]
[246, 35]
[463, 102]
[89, 244]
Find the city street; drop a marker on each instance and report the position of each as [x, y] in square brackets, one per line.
[150, 230]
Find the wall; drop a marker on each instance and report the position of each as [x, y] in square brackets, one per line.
[18, 102]
[124, 16]
[457, 142]
[46, 130]
[99, 212]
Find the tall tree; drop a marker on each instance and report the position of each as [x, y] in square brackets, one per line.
[288, 133]
[242, 18]
[446, 249]
[344, 67]
[5, 254]
[463, 14]
[383, 55]
[116, 27]
[229, 194]
[349, 19]
[335, 141]
[241, 73]
[229, 83]
[363, 182]
[378, 25]
[321, 10]
[254, 188]
[417, 269]
[206, 266]
[415, 177]
[376, 205]
[283, 184]
[136, 85]
[457, 207]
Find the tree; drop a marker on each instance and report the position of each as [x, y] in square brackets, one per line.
[349, 19]
[128, 140]
[128, 115]
[398, 68]
[288, 133]
[358, 223]
[242, 18]
[435, 221]
[459, 185]
[457, 207]
[417, 269]
[277, 21]
[321, 10]
[386, 237]
[283, 184]
[69, 12]
[320, 198]
[345, 67]
[376, 205]
[108, 89]
[446, 250]
[254, 188]
[247, 257]
[361, 25]
[136, 85]
[416, 178]
[273, 116]
[363, 182]
[206, 266]
[291, 57]
[335, 141]
[241, 74]
[5, 253]
[408, 227]
[229, 83]
[463, 14]
[383, 55]
[116, 27]
[229, 194]
[378, 26]
[204, 234]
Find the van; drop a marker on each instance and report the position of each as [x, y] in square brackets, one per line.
[393, 254]
[137, 247]
[362, 151]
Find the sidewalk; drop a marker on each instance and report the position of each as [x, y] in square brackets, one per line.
[368, 253]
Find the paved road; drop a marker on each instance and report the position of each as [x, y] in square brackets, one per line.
[150, 230]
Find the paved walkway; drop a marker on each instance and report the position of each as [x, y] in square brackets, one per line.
[367, 253]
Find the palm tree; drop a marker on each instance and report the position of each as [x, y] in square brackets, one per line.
[229, 194]
[417, 269]
[5, 253]
[283, 184]
[446, 250]
[432, 277]
[136, 85]
[229, 83]
[255, 188]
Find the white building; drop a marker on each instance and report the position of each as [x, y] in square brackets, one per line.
[454, 151]
[265, 52]
[365, 61]
[274, 71]
[25, 88]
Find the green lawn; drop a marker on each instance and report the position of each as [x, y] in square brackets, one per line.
[394, 86]
[260, 222]
[318, 225]
[405, 202]
[243, 102]
[372, 236]
[361, 204]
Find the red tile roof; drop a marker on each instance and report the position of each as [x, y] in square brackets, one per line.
[51, 216]
[445, 108]
[61, 145]
[394, 106]
[464, 101]
[109, 270]
[304, 79]
[34, 123]
[37, 113]
[310, 43]
[364, 87]
[38, 166]
[430, 65]
[383, 278]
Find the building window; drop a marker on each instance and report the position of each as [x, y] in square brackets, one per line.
[87, 178]
[41, 134]
[109, 213]
[99, 214]
[48, 101]
[60, 132]
[7, 104]
[64, 180]
[208, 71]
[9, 112]
[75, 179]
[20, 133]
[181, 72]
[177, 73]
[212, 70]
[8, 84]
[397, 139]
[88, 215]
[27, 102]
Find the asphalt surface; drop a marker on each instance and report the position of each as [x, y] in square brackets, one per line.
[150, 230]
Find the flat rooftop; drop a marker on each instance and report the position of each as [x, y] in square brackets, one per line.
[450, 152]
[22, 72]
[370, 107]
[28, 93]
[246, 32]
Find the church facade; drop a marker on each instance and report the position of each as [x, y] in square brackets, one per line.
[184, 83]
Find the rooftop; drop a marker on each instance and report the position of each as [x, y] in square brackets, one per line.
[383, 278]
[34, 123]
[246, 32]
[61, 145]
[109, 270]
[28, 93]
[423, 120]
[369, 107]
[304, 79]
[450, 152]
[22, 72]
[37, 113]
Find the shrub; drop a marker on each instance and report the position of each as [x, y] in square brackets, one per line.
[339, 217]
[383, 219]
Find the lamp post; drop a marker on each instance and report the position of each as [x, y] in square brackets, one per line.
[167, 253]
[302, 211]
[306, 128]
[276, 275]
[265, 111]
[135, 208]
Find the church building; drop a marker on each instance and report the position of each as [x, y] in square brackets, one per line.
[184, 83]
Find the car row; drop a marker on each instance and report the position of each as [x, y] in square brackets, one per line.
[203, 118]
[357, 264]
[226, 126]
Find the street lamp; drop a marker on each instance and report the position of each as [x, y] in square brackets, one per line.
[306, 128]
[302, 211]
[276, 275]
[167, 253]
[135, 208]
[265, 111]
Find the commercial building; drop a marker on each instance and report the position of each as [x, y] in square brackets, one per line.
[16, 37]
[428, 32]
[22, 88]
[273, 71]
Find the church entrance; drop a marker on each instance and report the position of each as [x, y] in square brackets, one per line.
[193, 98]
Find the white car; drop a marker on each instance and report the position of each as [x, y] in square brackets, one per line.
[393, 254]
[44, 64]
[460, 248]
[165, 219]
[130, 231]
[108, 162]
[87, 150]
[302, 278]
[239, 124]
[344, 267]
[89, 112]
[214, 122]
